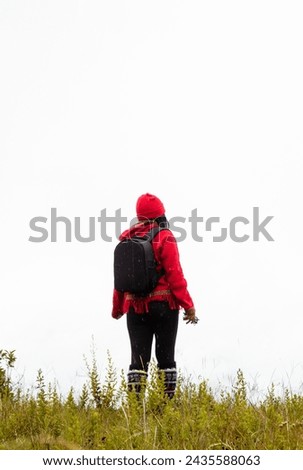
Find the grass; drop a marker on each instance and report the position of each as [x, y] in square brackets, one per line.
[104, 415]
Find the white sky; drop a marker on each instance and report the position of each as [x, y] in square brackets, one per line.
[197, 102]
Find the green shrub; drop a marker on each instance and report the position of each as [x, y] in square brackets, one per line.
[105, 415]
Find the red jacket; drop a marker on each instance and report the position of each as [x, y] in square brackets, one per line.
[172, 286]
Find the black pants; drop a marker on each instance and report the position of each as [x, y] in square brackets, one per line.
[160, 322]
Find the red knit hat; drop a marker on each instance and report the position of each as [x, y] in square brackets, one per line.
[149, 207]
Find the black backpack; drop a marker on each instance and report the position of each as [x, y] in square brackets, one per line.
[135, 265]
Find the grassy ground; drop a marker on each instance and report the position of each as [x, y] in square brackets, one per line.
[106, 416]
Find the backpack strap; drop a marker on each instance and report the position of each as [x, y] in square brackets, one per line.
[153, 232]
[149, 236]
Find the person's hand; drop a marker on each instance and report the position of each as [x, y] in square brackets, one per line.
[190, 316]
[117, 316]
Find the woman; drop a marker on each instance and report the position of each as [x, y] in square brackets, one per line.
[155, 314]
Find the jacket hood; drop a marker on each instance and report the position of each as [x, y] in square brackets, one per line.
[140, 228]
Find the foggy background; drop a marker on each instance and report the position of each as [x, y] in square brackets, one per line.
[197, 102]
